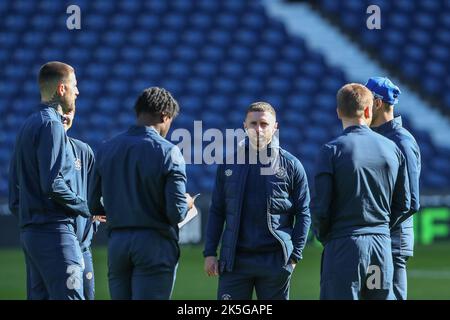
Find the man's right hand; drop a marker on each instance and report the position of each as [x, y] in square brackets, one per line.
[211, 266]
[190, 201]
[101, 219]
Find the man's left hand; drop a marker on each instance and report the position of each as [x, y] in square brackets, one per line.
[101, 219]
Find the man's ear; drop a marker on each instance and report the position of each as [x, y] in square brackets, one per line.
[60, 89]
[338, 113]
[377, 104]
[275, 126]
[367, 114]
[165, 117]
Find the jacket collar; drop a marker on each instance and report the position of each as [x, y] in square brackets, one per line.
[135, 129]
[389, 126]
[52, 110]
[360, 127]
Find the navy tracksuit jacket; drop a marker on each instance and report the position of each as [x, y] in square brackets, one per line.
[142, 179]
[402, 235]
[85, 227]
[263, 223]
[42, 196]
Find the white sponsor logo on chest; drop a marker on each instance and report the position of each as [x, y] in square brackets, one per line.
[77, 163]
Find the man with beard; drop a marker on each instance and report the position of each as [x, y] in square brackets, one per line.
[40, 191]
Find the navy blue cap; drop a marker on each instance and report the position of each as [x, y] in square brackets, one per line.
[383, 88]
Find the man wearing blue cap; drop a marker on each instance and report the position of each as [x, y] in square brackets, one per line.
[358, 193]
[385, 97]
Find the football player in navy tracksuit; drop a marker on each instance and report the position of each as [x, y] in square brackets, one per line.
[359, 193]
[41, 192]
[262, 217]
[85, 227]
[142, 179]
[402, 236]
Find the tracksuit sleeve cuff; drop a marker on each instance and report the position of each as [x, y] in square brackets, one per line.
[296, 257]
[209, 253]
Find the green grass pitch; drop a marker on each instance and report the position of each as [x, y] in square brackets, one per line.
[429, 274]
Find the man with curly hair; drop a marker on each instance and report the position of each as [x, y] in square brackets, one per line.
[142, 179]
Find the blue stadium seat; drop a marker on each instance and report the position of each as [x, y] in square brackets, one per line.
[236, 118]
[24, 6]
[199, 86]
[103, 6]
[4, 6]
[132, 55]
[214, 58]
[212, 53]
[87, 38]
[140, 38]
[180, 6]
[167, 38]
[122, 21]
[225, 85]
[415, 36]
[42, 23]
[200, 21]
[153, 69]
[23, 55]
[130, 7]
[193, 37]
[125, 119]
[205, 69]
[97, 71]
[206, 6]
[191, 103]
[117, 88]
[125, 71]
[178, 70]
[175, 21]
[96, 22]
[159, 54]
[175, 86]
[278, 84]
[266, 53]
[212, 120]
[148, 22]
[186, 53]
[8, 39]
[293, 54]
[286, 69]
[252, 85]
[248, 37]
[80, 54]
[226, 20]
[105, 55]
[240, 53]
[114, 38]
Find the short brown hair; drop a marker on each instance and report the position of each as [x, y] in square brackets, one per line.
[53, 72]
[352, 99]
[261, 106]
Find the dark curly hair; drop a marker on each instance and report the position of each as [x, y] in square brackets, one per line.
[156, 101]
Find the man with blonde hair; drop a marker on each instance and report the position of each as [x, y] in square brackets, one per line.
[359, 193]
